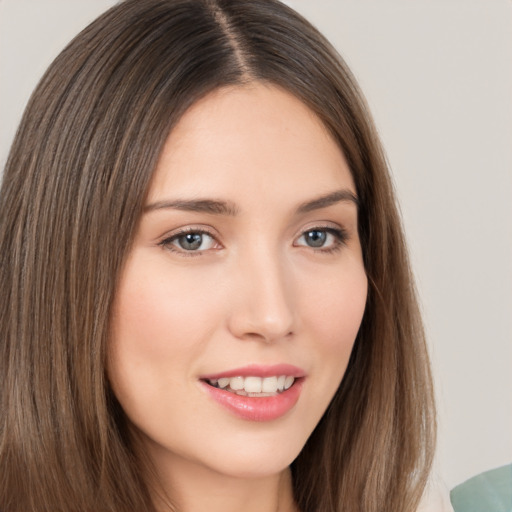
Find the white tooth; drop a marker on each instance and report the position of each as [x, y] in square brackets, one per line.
[253, 384]
[280, 382]
[288, 382]
[213, 382]
[269, 385]
[223, 382]
[236, 383]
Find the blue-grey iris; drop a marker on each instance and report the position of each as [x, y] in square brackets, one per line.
[190, 241]
[315, 238]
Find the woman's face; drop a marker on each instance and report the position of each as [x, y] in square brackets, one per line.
[244, 290]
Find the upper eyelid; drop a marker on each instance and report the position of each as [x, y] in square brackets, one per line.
[327, 225]
[189, 229]
[212, 232]
[337, 231]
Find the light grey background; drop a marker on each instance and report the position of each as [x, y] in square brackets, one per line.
[438, 78]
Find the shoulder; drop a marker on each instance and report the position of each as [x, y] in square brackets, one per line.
[487, 492]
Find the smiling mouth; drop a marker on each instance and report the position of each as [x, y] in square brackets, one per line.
[253, 386]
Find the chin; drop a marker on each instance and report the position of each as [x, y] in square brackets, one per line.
[257, 467]
[247, 456]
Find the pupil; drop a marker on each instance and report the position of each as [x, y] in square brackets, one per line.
[316, 238]
[191, 241]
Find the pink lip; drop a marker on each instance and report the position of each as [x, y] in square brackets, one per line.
[265, 408]
[255, 370]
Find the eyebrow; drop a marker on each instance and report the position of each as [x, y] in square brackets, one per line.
[228, 208]
[196, 205]
[328, 200]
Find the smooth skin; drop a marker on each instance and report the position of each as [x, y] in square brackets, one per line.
[236, 261]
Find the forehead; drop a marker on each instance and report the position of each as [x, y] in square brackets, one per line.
[251, 140]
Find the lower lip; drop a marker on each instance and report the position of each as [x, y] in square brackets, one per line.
[265, 408]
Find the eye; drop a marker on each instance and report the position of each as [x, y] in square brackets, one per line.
[190, 241]
[326, 239]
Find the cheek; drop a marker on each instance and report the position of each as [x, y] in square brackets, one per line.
[336, 306]
[156, 335]
[143, 325]
[334, 317]
[332, 312]
[158, 313]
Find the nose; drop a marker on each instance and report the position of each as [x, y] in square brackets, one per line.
[262, 299]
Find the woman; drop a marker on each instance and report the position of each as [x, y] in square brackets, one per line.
[207, 299]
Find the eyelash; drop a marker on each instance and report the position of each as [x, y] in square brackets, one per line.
[340, 239]
[167, 242]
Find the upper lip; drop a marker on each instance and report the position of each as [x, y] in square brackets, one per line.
[256, 370]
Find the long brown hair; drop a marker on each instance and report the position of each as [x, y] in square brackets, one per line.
[73, 190]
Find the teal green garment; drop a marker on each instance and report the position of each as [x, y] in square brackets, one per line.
[488, 492]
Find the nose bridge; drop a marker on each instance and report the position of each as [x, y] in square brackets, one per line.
[263, 302]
